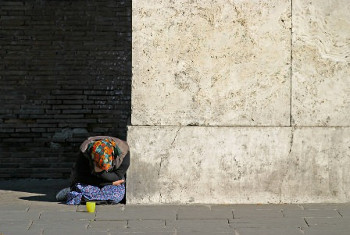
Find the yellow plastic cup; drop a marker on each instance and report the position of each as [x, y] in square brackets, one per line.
[90, 206]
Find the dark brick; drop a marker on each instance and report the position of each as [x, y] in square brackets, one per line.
[64, 65]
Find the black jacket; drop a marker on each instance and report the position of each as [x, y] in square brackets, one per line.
[83, 173]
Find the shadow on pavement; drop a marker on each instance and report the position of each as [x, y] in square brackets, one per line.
[43, 189]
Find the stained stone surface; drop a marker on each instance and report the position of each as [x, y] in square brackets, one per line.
[320, 163]
[206, 164]
[321, 58]
[238, 165]
[211, 62]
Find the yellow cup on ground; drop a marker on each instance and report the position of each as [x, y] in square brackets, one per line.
[90, 206]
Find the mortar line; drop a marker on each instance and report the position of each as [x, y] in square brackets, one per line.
[242, 126]
[291, 65]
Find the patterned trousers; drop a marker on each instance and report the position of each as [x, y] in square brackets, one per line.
[110, 193]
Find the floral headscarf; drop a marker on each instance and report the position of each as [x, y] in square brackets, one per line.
[102, 153]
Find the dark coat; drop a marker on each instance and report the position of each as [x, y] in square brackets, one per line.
[83, 170]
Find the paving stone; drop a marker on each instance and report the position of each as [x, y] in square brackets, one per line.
[213, 226]
[326, 231]
[15, 227]
[325, 206]
[17, 231]
[263, 206]
[139, 212]
[132, 226]
[106, 226]
[16, 215]
[204, 233]
[311, 213]
[345, 212]
[105, 208]
[53, 224]
[144, 230]
[271, 231]
[65, 226]
[204, 213]
[15, 207]
[70, 230]
[262, 213]
[268, 223]
[137, 224]
[328, 222]
[52, 208]
[52, 218]
[144, 233]
[66, 215]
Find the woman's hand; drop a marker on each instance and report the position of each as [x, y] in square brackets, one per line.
[97, 169]
[118, 182]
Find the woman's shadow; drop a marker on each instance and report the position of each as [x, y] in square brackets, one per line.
[44, 190]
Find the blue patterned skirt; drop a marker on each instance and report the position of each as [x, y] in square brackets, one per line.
[86, 192]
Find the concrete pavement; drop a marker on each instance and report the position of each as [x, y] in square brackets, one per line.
[28, 207]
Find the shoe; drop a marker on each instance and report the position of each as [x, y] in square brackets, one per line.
[62, 195]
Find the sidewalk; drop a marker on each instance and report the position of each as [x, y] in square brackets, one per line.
[28, 207]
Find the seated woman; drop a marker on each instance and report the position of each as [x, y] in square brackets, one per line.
[99, 172]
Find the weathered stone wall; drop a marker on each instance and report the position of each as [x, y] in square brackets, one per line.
[240, 102]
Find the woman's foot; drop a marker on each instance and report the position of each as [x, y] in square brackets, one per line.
[62, 195]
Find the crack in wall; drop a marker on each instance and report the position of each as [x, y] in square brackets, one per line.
[164, 156]
[291, 141]
[167, 153]
[177, 132]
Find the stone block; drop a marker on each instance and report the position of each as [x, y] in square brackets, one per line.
[211, 63]
[325, 206]
[204, 213]
[214, 226]
[201, 233]
[325, 231]
[60, 225]
[14, 215]
[312, 214]
[345, 212]
[338, 222]
[319, 166]
[273, 231]
[276, 207]
[226, 165]
[68, 215]
[146, 224]
[107, 226]
[207, 164]
[13, 226]
[251, 213]
[138, 213]
[71, 230]
[152, 232]
[321, 72]
[267, 222]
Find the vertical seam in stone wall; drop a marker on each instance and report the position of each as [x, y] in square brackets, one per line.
[291, 64]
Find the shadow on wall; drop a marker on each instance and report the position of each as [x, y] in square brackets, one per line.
[65, 75]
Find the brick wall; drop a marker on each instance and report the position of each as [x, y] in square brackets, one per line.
[65, 74]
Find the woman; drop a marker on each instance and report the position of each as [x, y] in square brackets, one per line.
[99, 172]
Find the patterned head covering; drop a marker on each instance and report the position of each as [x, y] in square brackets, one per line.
[102, 153]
